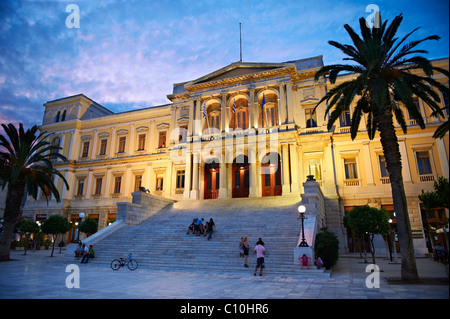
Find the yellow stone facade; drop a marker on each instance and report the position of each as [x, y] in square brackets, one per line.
[246, 130]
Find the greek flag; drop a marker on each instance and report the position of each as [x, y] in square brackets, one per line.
[234, 106]
[204, 110]
[263, 101]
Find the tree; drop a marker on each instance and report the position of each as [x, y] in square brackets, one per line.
[25, 164]
[55, 225]
[27, 227]
[385, 74]
[368, 220]
[437, 198]
[326, 246]
[89, 226]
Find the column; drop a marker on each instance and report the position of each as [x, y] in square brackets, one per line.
[187, 181]
[88, 185]
[406, 172]
[289, 104]
[282, 105]
[223, 108]
[368, 163]
[223, 190]
[112, 142]
[132, 138]
[198, 118]
[194, 191]
[127, 183]
[94, 146]
[251, 109]
[285, 169]
[443, 156]
[107, 192]
[191, 117]
[75, 149]
[294, 168]
[253, 191]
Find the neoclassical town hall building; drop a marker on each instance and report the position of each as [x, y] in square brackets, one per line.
[246, 130]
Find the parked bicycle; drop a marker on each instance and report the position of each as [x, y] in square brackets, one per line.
[131, 263]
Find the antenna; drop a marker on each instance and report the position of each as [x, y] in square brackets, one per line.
[240, 43]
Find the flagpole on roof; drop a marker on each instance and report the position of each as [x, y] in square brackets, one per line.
[240, 43]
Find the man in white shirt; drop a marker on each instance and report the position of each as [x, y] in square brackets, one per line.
[260, 251]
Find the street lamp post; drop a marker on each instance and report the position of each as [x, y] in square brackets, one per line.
[80, 218]
[302, 210]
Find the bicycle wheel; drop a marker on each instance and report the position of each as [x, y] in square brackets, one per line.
[115, 264]
[132, 264]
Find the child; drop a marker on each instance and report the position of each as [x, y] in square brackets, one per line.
[304, 261]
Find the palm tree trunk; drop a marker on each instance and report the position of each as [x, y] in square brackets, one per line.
[394, 166]
[11, 216]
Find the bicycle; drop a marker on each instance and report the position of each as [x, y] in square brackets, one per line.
[131, 263]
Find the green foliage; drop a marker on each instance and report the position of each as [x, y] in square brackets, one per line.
[366, 219]
[326, 246]
[88, 226]
[28, 227]
[56, 224]
[437, 198]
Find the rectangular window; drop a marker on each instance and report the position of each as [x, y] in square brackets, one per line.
[180, 178]
[423, 163]
[137, 182]
[417, 106]
[350, 168]
[80, 187]
[383, 169]
[162, 140]
[98, 186]
[117, 184]
[122, 141]
[141, 142]
[183, 133]
[159, 183]
[103, 144]
[311, 120]
[345, 118]
[315, 169]
[85, 151]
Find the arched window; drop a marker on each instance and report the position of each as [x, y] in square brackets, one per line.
[268, 109]
[212, 122]
[63, 117]
[58, 116]
[239, 113]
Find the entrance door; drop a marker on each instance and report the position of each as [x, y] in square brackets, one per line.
[271, 180]
[212, 180]
[241, 181]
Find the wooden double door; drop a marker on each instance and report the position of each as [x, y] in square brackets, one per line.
[212, 182]
[241, 181]
[271, 180]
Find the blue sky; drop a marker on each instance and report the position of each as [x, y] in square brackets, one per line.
[127, 54]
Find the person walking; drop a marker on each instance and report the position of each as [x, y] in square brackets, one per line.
[260, 251]
[211, 227]
[246, 247]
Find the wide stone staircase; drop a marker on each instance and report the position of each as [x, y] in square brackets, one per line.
[160, 242]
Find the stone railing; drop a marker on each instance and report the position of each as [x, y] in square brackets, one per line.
[143, 206]
[314, 202]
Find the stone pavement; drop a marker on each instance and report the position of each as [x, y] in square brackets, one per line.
[36, 275]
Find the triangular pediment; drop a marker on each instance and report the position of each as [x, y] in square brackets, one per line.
[237, 70]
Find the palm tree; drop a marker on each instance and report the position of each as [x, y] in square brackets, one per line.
[385, 74]
[25, 165]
